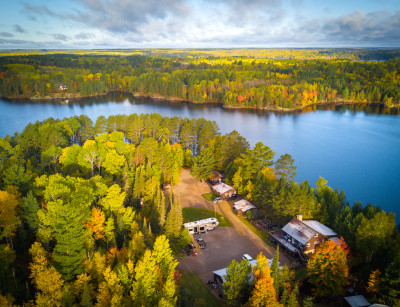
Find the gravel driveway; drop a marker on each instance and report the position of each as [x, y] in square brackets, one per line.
[224, 243]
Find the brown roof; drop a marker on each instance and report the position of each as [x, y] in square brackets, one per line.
[216, 175]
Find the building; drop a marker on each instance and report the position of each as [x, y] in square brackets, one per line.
[357, 301]
[219, 274]
[201, 226]
[242, 206]
[302, 237]
[216, 177]
[224, 190]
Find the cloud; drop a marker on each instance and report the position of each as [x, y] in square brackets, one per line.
[216, 23]
[60, 37]
[19, 29]
[6, 34]
[83, 35]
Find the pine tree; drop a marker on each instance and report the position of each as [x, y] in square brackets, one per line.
[174, 222]
[276, 272]
[203, 164]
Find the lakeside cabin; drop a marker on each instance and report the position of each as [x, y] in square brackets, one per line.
[216, 177]
[201, 226]
[242, 206]
[223, 190]
[301, 237]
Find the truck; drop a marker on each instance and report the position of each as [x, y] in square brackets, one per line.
[201, 226]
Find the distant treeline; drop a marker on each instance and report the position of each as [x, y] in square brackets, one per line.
[235, 81]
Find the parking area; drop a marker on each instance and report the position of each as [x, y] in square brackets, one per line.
[222, 244]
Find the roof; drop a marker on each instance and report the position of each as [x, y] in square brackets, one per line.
[222, 188]
[201, 222]
[278, 236]
[357, 301]
[299, 231]
[216, 175]
[222, 272]
[243, 205]
[321, 228]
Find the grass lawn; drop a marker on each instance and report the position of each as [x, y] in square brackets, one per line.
[195, 214]
[210, 196]
[263, 235]
[194, 292]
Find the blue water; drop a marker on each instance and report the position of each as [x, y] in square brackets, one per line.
[356, 151]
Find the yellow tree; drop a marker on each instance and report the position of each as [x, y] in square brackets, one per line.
[374, 282]
[263, 293]
[96, 223]
[47, 279]
[8, 215]
[328, 270]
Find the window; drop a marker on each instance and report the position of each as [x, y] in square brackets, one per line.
[316, 235]
[191, 229]
[308, 245]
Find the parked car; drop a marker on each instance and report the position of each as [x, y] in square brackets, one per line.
[201, 242]
[247, 256]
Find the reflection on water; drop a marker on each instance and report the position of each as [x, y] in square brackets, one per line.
[355, 147]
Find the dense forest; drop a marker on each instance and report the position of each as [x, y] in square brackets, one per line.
[249, 78]
[84, 219]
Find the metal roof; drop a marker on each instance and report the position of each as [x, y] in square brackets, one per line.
[243, 205]
[299, 231]
[321, 228]
[222, 188]
[222, 272]
[357, 301]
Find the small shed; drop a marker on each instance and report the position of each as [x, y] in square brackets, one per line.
[216, 177]
[357, 301]
[242, 206]
[224, 190]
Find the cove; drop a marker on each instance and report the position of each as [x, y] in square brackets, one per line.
[356, 148]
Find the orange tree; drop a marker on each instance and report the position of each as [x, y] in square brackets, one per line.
[328, 270]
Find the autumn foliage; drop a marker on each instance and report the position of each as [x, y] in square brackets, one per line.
[328, 270]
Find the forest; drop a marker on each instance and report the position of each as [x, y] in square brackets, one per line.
[84, 220]
[274, 79]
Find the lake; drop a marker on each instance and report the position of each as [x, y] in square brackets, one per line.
[356, 148]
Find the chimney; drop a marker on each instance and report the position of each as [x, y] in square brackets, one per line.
[299, 217]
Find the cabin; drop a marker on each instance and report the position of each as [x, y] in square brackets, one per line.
[216, 177]
[242, 206]
[201, 226]
[303, 236]
[223, 190]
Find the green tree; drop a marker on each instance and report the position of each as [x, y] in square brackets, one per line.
[284, 167]
[236, 284]
[390, 285]
[203, 164]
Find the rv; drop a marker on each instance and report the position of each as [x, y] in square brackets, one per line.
[202, 226]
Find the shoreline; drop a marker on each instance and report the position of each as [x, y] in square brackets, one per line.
[74, 98]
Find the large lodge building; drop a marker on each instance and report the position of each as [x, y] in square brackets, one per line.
[301, 237]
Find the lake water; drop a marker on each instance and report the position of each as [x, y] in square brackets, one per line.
[357, 149]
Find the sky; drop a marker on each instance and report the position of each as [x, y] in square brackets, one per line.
[122, 24]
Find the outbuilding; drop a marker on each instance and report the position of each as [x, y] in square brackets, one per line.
[216, 177]
[223, 190]
[242, 206]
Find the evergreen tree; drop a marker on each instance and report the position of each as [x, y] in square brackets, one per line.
[174, 221]
[203, 164]
[236, 284]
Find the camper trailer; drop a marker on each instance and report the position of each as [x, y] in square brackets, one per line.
[202, 226]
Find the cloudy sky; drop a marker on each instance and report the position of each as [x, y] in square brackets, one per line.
[198, 23]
